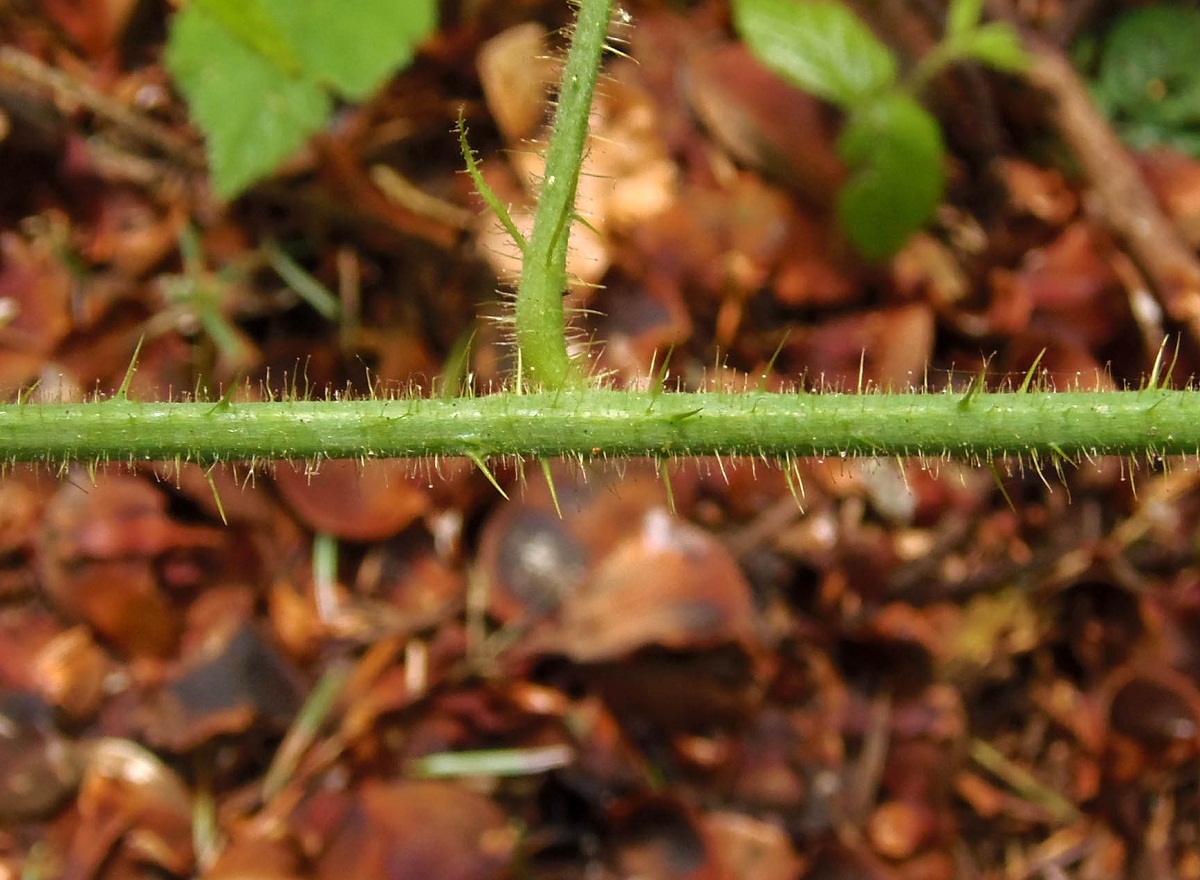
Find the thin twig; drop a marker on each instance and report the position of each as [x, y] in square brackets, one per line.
[1024, 783]
[408, 195]
[1120, 198]
[1072, 20]
[66, 90]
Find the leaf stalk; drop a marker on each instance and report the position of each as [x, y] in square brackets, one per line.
[539, 307]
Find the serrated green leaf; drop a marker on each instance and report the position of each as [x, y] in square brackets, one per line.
[894, 147]
[249, 21]
[354, 45]
[962, 16]
[996, 45]
[819, 46]
[252, 113]
[257, 73]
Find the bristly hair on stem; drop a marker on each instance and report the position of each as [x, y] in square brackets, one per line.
[553, 409]
[1067, 427]
[539, 314]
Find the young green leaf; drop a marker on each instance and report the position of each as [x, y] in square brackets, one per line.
[895, 148]
[962, 17]
[995, 45]
[258, 76]
[1149, 63]
[253, 114]
[352, 46]
[819, 46]
[250, 22]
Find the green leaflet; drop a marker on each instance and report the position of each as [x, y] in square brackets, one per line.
[1148, 82]
[253, 114]
[352, 46]
[962, 16]
[260, 77]
[250, 22]
[820, 47]
[995, 45]
[895, 148]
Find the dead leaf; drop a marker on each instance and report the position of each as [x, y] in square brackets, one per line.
[431, 830]
[357, 501]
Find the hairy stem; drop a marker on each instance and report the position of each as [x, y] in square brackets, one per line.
[539, 309]
[559, 415]
[614, 423]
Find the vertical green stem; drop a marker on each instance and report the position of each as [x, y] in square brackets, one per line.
[541, 334]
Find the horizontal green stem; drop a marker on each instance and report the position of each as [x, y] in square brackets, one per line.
[613, 423]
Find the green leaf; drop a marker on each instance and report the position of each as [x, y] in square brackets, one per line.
[1147, 80]
[253, 114]
[996, 45]
[1148, 135]
[894, 147]
[257, 74]
[354, 45]
[819, 46]
[249, 22]
[962, 16]
[1148, 68]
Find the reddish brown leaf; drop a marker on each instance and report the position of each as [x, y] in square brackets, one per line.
[358, 501]
[431, 830]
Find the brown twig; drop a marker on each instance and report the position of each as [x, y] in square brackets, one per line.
[1119, 196]
[32, 71]
[1072, 20]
